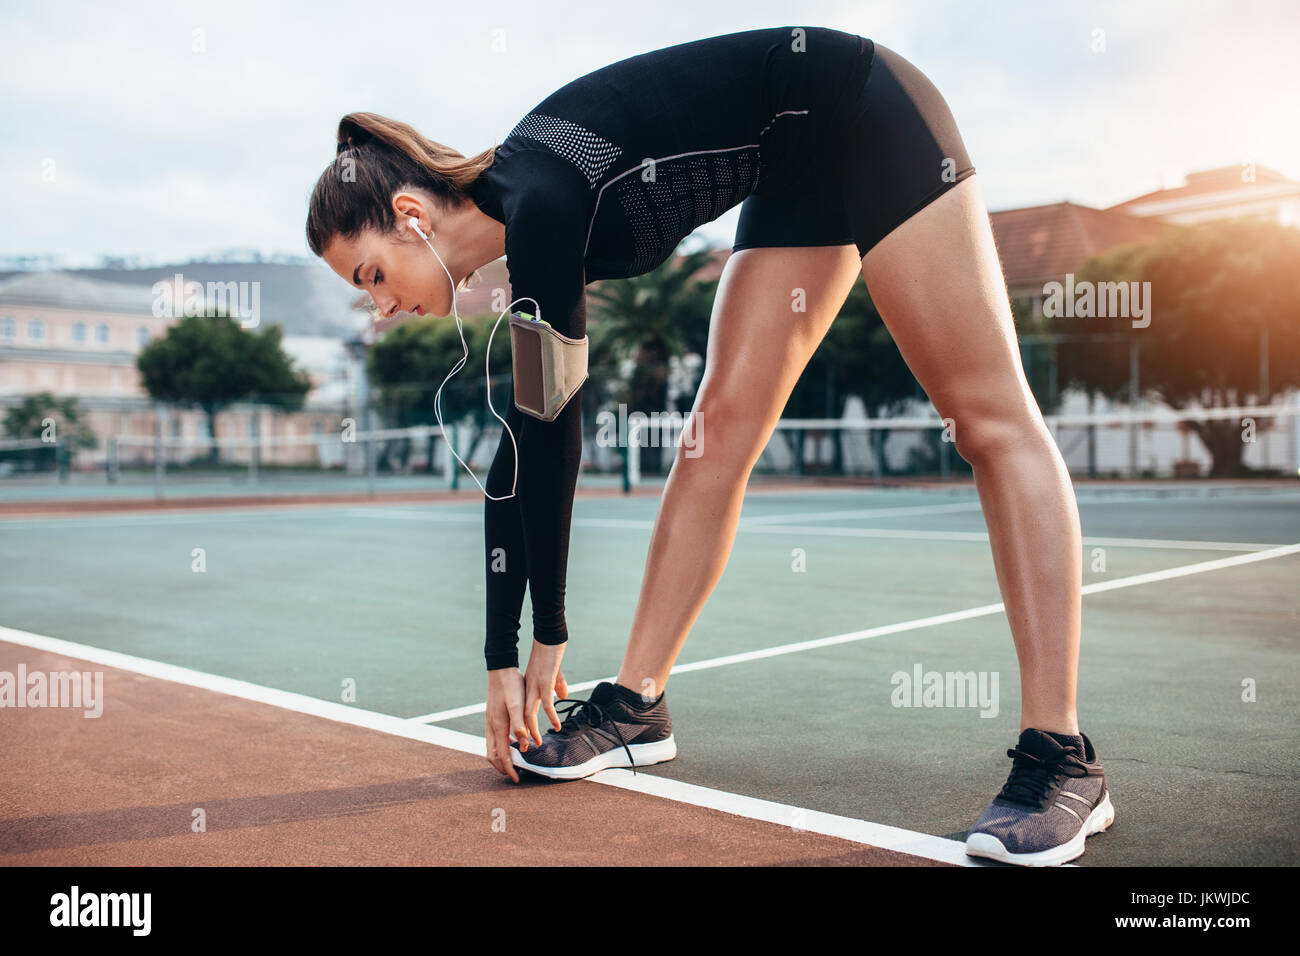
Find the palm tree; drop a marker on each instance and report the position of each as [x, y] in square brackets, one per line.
[648, 318]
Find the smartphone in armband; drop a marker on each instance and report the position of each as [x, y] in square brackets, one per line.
[549, 367]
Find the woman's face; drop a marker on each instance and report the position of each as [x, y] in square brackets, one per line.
[401, 276]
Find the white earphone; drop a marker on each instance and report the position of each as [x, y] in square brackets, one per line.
[414, 223]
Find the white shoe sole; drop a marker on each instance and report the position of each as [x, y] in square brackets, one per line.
[643, 754]
[989, 846]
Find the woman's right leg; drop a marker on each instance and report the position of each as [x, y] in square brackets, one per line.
[758, 347]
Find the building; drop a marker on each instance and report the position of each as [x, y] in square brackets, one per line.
[1042, 244]
[1228, 192]
[79, 337]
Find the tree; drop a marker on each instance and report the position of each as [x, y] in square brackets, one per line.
[413, 359]
[1040, 355]
[1094, 354]
[212, 362]
[1223, 295]
[857, 357]
[648, 318]
[865, 360]
[28, 418]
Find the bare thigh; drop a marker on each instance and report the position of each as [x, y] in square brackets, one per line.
[938, 285]
[773, 308]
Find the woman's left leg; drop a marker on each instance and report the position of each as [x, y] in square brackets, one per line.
[939, 287]
[930, 262]
[938, 284]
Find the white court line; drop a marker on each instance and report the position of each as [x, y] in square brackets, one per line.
[643, 524]
[405, 512]
[829, 824]
[918, 535]
[910, 510]
[905, 511]
[937, 619]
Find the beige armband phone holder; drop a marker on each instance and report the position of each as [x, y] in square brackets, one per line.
[549, 367]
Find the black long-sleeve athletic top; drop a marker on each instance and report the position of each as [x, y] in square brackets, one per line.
[602, 180]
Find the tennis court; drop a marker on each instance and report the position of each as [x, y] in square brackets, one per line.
[316, 689]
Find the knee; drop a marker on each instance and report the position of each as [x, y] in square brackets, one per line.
[722, 434]
[987, 435]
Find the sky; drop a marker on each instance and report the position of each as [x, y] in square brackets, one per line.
[170, 131]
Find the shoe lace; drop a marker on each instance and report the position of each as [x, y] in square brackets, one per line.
[585, 713]
[1033, 777]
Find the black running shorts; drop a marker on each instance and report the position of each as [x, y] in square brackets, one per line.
[886, 152]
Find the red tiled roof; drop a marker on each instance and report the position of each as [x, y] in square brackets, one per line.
[1039, 243]
[1208, 182]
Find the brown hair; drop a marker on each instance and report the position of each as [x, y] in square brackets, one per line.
[375, 158]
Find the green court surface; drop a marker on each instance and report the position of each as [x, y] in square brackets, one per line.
[390, 597]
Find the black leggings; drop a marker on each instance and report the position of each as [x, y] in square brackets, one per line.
[891, 150]
[538, 560]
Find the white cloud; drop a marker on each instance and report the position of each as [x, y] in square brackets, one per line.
[165, 152]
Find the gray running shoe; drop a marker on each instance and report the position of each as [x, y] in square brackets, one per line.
[615, 727]
[1054, 799]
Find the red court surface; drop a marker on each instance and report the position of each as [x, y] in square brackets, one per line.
[277, 787]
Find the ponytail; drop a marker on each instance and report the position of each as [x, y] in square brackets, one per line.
[375, 158]
[455, 169]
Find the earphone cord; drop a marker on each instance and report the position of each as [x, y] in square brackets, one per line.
[437, 399]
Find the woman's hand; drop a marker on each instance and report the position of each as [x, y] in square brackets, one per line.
[541, 680]
[505, 716]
